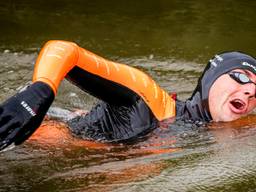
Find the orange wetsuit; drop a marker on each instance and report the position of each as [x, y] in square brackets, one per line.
[132, 103]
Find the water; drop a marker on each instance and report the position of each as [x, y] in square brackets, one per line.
[170, 40]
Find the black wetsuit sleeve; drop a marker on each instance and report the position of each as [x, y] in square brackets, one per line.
[104, 89]
[121, 116]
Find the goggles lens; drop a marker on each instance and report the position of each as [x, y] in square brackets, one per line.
[240, 77]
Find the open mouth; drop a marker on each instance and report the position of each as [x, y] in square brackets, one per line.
[238, 106]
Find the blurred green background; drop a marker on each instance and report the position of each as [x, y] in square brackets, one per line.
[192, 30]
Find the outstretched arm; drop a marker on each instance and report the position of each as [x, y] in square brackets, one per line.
[109, 81]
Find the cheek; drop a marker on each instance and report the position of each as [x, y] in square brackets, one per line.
[252, 105]
[218, 102]
[219, 94]
[215, 102]
[222, 89]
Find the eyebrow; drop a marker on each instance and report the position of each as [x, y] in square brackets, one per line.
[247, 72]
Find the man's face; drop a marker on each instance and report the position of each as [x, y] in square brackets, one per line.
[230, 100]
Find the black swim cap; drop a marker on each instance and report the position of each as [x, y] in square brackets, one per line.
[197, 107]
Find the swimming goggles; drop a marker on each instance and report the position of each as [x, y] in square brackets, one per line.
[240, 77]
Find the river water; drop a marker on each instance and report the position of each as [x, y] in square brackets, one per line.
[171, 41]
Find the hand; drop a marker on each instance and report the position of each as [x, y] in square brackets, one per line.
[23, 113]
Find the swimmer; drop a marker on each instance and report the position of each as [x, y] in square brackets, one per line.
[132, 104]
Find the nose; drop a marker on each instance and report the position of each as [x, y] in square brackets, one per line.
[250, 89]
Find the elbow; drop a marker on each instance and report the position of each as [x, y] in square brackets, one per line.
[55, 60]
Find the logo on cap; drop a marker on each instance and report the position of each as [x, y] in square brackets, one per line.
[249, 65]
[218, 58]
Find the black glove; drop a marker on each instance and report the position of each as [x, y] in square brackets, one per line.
[23, 113]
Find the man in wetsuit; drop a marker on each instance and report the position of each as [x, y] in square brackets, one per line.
[132, 103]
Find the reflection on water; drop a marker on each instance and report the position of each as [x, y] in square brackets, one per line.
[179, 158]
[171, 41]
